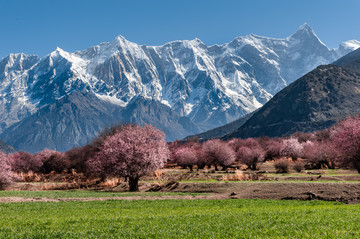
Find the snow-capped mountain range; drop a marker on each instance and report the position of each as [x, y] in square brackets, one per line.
[208, 85]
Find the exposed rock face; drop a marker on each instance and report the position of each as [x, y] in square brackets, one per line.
[182, 87]
[80, 116]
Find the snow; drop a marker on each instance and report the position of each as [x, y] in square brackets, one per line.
[351, 44]
[188, 108]
[184, 75]
[111, 99]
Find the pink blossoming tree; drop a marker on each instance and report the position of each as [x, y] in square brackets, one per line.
[6, 176]
[186, 157]
[346, 138]
[131, 152]
[24, 162]
[218, 153]
[291, 148]
[319, 154]
[250, 156]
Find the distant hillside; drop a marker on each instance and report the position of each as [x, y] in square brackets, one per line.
[92, 114]
[315, 101]
[351, 61]
[6, 148]
[222, 130]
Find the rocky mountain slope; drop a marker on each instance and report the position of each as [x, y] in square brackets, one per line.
[224, 130]
[6, 148]
[64, 123]
[200, 87]
[315, 101]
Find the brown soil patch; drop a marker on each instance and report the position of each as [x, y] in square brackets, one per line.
[341, 192]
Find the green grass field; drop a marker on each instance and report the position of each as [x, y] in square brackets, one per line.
[233, 218]
[87, 194]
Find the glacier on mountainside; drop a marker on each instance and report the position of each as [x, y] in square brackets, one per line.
[211, 85]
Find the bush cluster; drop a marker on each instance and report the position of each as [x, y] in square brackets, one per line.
[125, 147]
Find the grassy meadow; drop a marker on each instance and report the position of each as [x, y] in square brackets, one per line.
[232, 218]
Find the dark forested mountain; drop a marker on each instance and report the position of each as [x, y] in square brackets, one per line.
[315, 101]
[223, 130]
[351, 61]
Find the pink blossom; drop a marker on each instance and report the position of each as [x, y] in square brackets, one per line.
[131, 152]
[250, 156]
[346, 138]
[6, 175]
[219, 153]
[291, 148]
[24, 162]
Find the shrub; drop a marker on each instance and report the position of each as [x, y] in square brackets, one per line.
[323, 135]
[53, 161]
[298, 166]
[281, 166]
[78, 156]
[131, 152]
[6, 176]
[303, 137]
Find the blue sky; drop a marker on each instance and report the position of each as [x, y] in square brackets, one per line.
[39, 26]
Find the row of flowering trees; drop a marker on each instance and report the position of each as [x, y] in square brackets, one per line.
[338, 145]
[128, 151]
[132, 151]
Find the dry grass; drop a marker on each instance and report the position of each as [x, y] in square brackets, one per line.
[158, 174]
[243, 176]
[111, 182]
[30, 177]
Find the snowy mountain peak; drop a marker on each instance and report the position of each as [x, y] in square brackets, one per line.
[197, 40]
[209, 86]
[304, 31]
[305, 28]
[346, 47]
[351, 45]
[307, 36]
[17, 63]
[121, 40]
[58, 52]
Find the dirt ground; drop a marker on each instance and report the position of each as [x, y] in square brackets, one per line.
[342, 192]
[340, 185]
[328, 191]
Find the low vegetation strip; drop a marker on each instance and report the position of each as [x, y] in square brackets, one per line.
[88, 194]
[236, 218]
